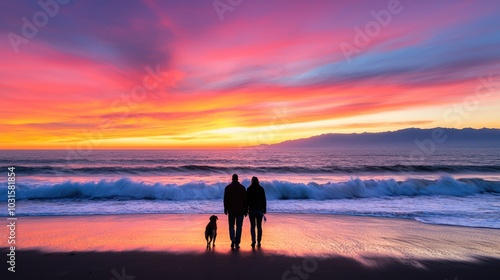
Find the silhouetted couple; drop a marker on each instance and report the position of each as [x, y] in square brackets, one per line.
[238, 202]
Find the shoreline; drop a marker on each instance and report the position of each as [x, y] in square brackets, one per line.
[273, 213]
[153, 246]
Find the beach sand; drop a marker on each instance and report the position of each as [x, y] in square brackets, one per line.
[298, 246]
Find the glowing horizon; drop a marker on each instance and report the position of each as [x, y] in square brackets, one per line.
[146, 74]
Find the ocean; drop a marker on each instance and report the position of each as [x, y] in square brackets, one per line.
[448, 186]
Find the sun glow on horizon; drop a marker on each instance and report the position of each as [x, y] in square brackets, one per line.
[173, 75]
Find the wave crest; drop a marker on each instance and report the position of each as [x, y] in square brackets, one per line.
[125, 188]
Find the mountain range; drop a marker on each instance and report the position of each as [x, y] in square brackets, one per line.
[442, 137]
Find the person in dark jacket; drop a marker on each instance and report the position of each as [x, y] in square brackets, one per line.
[235, 206]
[256, 208]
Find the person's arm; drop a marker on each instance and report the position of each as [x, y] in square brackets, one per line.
[225, 201]
[265, 200]
[245, 201]
[248, 192]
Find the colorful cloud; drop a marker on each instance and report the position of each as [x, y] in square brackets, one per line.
[170, 74]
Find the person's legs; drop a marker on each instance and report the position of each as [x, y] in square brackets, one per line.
[258, 217]
[251, 216]
[239, 226]
[231, 220]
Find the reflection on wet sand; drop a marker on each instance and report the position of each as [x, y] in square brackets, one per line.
[284, 234]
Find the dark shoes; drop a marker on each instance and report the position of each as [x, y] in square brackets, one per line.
[235, 246]
[253, 244]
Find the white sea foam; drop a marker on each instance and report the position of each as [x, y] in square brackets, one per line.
[276, 190]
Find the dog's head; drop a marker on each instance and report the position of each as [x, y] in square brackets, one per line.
[213, 218]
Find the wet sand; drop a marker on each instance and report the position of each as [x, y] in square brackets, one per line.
[294, 247]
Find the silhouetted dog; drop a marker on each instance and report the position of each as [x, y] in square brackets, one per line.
[211, 231]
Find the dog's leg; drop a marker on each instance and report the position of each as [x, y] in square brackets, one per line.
[215, 236]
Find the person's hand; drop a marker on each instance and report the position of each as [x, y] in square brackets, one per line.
[225, 211]
[264, 212]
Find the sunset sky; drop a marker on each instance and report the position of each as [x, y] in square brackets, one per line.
[232, 73]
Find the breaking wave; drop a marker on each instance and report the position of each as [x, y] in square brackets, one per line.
[126, 188]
